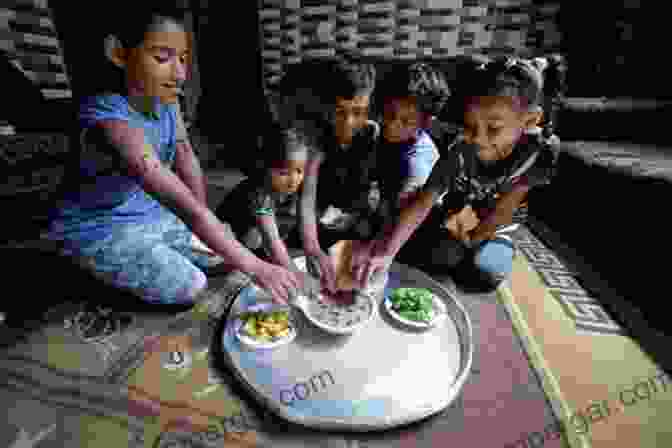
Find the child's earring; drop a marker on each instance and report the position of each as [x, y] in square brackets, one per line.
[114, 51]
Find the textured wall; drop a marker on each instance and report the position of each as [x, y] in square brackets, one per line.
[293, 30]
[28, 37]
[615, 48]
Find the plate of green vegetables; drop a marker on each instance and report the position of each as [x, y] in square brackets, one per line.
[416, 307]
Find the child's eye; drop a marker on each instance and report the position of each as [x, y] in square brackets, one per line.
[161, 59]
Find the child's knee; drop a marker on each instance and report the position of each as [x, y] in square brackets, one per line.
[186, 293]
[253, 239]
[495, 258]
[198, 285]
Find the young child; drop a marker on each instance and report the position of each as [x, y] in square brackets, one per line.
[410, 98]
[481, 182]
[261, 209]
[135, 192]
[334, 202]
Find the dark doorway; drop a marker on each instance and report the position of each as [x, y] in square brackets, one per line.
[232, 99]
[229, 62]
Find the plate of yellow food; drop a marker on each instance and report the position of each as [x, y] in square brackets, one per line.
[265, 329]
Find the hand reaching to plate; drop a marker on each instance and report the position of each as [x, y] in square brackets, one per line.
[310, 286]
[326, 272]
[278, 281]
[367, 262]
[460, 224]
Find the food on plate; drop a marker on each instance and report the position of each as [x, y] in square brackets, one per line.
[414, 304]
[266, 326]
[341, 254]
[340, 315]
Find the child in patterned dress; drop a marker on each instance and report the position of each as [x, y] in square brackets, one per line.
[261, 209]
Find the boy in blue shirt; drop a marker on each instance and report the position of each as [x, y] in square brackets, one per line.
[410, 96]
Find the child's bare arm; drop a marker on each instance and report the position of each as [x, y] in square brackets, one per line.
[396, 235]
[272, 241]
[506, 206]
[188, 168]
[306, 209]
[416, 212]
[163, 184]
[187, 165]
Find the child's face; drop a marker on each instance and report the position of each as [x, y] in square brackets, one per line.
[401, 120]
[158, 66]
[495, 124]
[350, 115]
[288, 177]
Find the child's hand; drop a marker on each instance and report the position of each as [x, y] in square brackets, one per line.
[461, 224]
[366, 262]
[361, 256]
[278, 281]
[377, 264]
[326, 270]
[480, 234]
[309, 284]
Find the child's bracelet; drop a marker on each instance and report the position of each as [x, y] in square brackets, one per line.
[264, 211]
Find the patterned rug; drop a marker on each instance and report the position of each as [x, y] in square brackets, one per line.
[91, 376]
[608, 390]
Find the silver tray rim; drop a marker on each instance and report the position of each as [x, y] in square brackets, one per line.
[456, 312]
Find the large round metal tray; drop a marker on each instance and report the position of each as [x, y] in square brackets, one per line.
[382, 376]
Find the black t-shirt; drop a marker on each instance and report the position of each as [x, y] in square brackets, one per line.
[463, 179]
[346, 175]
[250, 199]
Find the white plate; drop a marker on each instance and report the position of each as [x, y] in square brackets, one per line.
[375, 286]
[256, 344]
[302, 303]
[439, 313]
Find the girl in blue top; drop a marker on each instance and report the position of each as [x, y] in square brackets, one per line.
[135, 192]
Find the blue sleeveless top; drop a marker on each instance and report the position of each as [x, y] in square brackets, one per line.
[97, 194]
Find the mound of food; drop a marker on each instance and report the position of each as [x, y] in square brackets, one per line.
[340, 313]
[266, 326]
[341, 254]
[416, 304]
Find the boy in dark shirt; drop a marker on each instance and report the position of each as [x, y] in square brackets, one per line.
[334, 203]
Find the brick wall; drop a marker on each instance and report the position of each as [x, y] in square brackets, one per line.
[295, 30]
[28, 37]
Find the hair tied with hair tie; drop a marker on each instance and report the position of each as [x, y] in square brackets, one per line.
[510, 63]
[541, 64]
